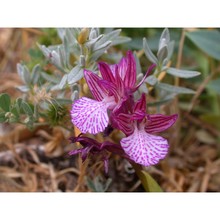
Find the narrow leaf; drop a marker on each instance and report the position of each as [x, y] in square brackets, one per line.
[174, 89]
[182, 73]
[148, 182]
[148, 52]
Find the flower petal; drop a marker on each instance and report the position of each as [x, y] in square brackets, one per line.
[96, 87]
[159, 122]
[106, 72]
[130, 75]
[123, 122]
[126, 69]
[141, 104]
[90, 115]
[144, 148]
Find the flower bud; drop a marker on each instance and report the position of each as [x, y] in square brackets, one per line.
[83, 36]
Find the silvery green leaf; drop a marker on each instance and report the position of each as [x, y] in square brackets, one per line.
[96, 54]
[170, 49]
[62, 56]
[24, 73]
[45, 50]
[63, 82]
[162, 53]
[143, 88]
[162, 102]
[61, 33]
[109, 37]
[90, 44]
[164, 38]
[55, 58]
[148, 52]
[35, 74]
[138, 65]
[23, 88]
[82, 61]
[63, 101]
[182, 73]
[174, 89]
[72, 34]
[67, 52]
[120, 40]
[99, 46]
[75, 95]
[94, 33]
[50, 78]
[152, 80]
[75, 75]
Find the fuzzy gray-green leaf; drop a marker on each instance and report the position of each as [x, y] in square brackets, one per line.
[174, 89]
[148, 52]
[182, 73]
[75, 75]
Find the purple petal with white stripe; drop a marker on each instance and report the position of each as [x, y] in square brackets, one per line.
[144, 148]
[90, 115]
[96, 87]
[159, 122]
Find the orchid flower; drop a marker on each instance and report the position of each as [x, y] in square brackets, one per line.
[140, 144]
[110, 92]
[91, 146]
[114, 107]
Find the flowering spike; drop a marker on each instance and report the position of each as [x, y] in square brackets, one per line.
[90, 115]
[144, 148]
[159, 122]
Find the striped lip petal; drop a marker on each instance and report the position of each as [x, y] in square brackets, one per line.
[159, 122]
[144, 148]
[97, 89]
[90, 115]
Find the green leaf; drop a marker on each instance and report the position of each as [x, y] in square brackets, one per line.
[182, 73]
[174, 89]
[161, 102]
[2, 117]
[148, 182]
[214, 85]
[50, 78]
[5, 102]
[27, 109]
[74, 75]
[149, 54]
[207, 40]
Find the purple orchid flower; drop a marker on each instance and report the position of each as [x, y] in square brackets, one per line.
[110, 92]
[114, 107]
[140, 144]
[91, 146]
